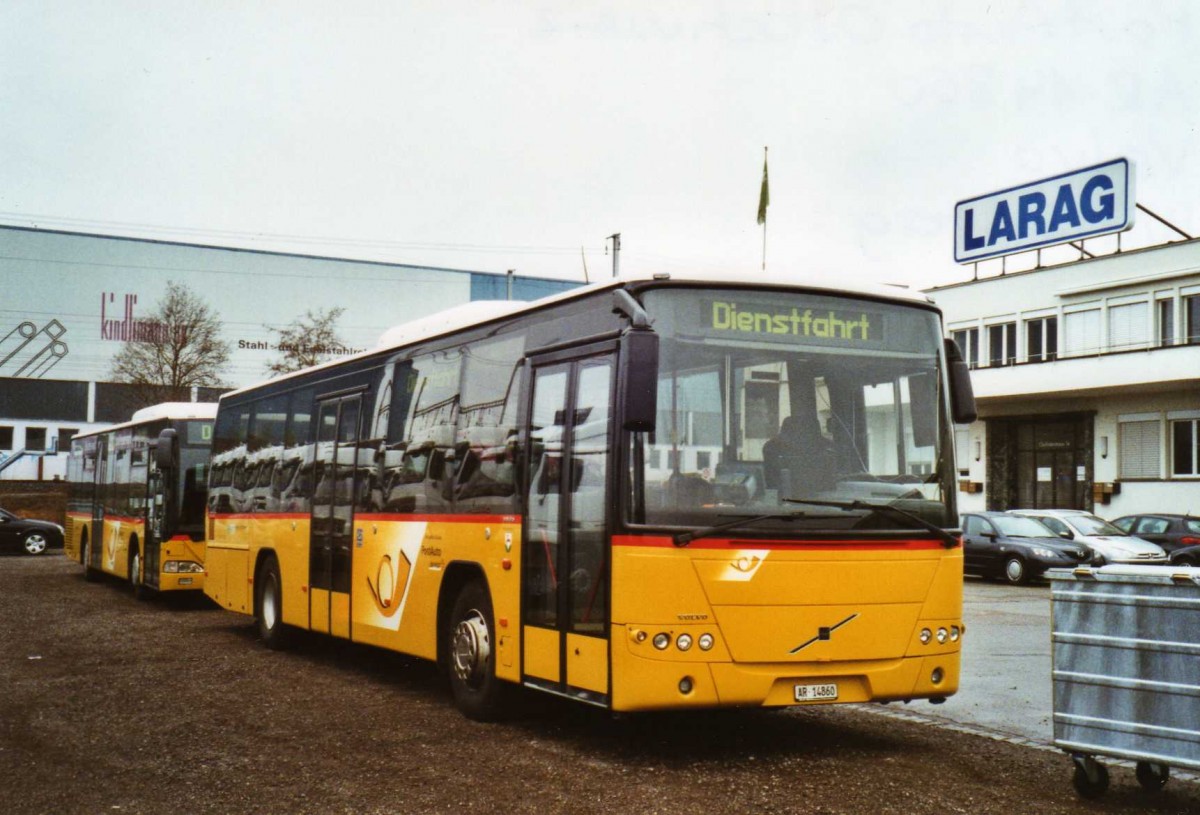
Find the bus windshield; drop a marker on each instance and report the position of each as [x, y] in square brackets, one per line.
[766, 398]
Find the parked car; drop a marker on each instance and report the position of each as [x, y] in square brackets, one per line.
[1110, 543]
[1187, 556]
[996, 544]
[1168, 530]
[27, 535]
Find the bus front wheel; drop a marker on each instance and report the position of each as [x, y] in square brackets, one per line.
[89, 574]
[140, 592]
[268, 606]
[472, 654]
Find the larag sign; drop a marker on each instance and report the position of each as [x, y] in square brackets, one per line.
[1080, 204]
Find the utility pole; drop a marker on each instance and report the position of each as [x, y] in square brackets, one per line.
[616, 242]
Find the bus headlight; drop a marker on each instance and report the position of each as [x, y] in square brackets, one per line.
[942, 636]
[661, 641]
[683, 642]
[926, 636]
[182, 567]
[705, 642]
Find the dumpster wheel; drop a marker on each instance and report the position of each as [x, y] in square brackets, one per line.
[1091, 777]
[1152, 777]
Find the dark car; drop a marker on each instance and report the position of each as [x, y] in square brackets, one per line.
[1170, 531]
[27, 535]
[1187, 556]
[1016, 548]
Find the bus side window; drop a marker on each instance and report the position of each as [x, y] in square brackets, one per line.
[485, 439]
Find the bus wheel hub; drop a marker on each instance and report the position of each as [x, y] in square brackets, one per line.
[471, 648]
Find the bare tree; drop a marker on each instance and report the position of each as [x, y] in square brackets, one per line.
[179, 346]
[308, 340]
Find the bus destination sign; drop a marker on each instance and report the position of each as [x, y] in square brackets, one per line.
[1084, 203]
[772, 321]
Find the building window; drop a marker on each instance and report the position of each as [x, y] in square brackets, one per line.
[1002, 344]
[65, 434]
[1041, 339]
[967, 340]
[1191, 311]
[1185, 448]
[1128, 326]
[1140, 449]
[35, 438]
[1081, 331]
[6, 438]
[1166, 322]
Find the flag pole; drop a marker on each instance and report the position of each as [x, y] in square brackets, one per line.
[764, 264]
[764, 200]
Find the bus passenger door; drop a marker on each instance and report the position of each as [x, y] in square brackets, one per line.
[331, 544]
[156, 518]
[97, 449]
[565, 570]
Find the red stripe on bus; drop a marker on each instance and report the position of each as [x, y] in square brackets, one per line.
[369, 516]
[474, 518]
[659, 542]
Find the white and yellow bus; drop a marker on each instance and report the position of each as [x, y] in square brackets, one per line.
[590, 495]
[137, 498]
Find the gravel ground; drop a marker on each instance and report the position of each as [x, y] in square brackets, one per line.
[114, 706]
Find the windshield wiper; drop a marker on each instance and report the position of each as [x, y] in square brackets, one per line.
[948, 540]
[684, 538]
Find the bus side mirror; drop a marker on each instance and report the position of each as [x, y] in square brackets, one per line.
[637, 379]
[165, 449]
[962, 395]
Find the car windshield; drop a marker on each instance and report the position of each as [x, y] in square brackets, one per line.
[768, 397]
[1092, 525]
[1017, 526]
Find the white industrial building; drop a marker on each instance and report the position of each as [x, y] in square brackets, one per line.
[1087, 376]
[68, 301]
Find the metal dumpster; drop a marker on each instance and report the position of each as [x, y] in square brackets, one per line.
[1126, 670]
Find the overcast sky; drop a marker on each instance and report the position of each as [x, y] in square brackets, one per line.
[488, 136]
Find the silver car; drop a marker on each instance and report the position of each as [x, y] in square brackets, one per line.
[1108, 542]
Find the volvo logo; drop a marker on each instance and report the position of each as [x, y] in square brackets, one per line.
[823, 633]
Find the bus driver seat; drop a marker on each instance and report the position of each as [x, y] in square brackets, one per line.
[799, 460]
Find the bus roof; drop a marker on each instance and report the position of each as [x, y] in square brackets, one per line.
[478, 312]
[171, 411]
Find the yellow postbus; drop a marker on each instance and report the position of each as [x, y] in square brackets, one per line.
[137, 498]
[643, 494]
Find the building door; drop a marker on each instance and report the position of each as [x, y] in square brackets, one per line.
[565, 569]
[1053, 466]
[331, 543]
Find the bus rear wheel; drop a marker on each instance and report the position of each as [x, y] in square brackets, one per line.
[268, 606]
[471, 646]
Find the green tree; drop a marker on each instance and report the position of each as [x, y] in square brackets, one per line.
[176, 348]
[308, 340]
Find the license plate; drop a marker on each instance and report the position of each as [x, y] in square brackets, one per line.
[810, 693]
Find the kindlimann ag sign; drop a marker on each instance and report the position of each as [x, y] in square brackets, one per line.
[1083, 203]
